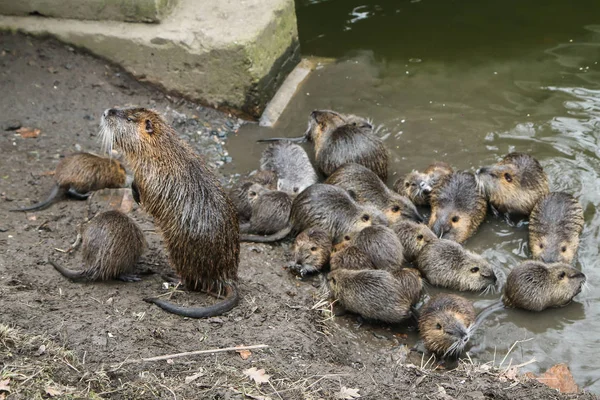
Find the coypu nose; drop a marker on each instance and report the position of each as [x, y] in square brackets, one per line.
[482, 170]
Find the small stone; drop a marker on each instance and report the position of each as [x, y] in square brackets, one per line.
[222, 134]
[68, 66]
[227, 159]
[214, 133]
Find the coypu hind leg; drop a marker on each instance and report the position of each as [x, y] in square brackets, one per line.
[76, 195]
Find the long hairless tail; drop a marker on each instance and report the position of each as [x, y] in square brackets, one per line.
[231, 300]
[486, 312]
[299, 139]
[68, 273]
[282, 234]
[56, 190]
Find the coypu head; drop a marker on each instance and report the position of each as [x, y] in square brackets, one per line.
[255, 191]
[323, 122]
[416, 186]
[368, 215]
[438, 170]
[401, 208]
[535, 286]
[290, 187]
[268, 179]
[514, 184]
[413, 237]
[311, 250]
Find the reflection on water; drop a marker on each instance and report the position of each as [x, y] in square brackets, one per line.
[466, 82]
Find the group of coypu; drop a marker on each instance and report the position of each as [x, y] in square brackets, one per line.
[371, 241]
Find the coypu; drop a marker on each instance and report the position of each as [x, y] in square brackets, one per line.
[446, 323]
[513, 185]
[292, 166]
[270, 211]
[197, 219]
[447, 264]
[239, 192]
[79, 174]
[457, 207]
[365, 187]
[311, 251]
[376, 294]
[555, 224]
[327, 207]
[417, 186]
[112, 245]
[413, 237]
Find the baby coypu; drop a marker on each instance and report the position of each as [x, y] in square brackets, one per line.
[79, 174]
[514, 184]
[457, 207]
[417, 186]
[270, 211]
[555, 224]
[239, 192]
[446, 323]
[291, 164]
[112, 244]
[447, 264]
[365, 187]
[311, 251]
[413, 237]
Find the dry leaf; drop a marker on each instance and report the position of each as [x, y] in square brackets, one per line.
[41, 350]
[52, 392]
[192, 378]
[244, 353]
[4, 385]
[257, 375]
[347, 393]
[29, 132]
[559, 377]
[32, 218]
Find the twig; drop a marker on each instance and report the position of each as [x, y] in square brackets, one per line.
[192, 353]
[511, 349]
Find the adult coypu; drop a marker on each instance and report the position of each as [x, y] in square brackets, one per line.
[514, 184]
[366, 187]
[270, 211]
[447, 264]
[457, 207]
[112, 244]
[376, 294]
[555, 224]
[311, 251]
[79, 174]
[197, 219]
[239, 192]
[292, 166]
[327, 207]
[417, 186]
[445, 324]
[413, 237]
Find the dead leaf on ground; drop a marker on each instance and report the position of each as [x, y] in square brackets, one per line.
[257, 375]
[53, 392]
[559, 377]
[27, 133]
[347, 393]
[244, 353]
[4, 385]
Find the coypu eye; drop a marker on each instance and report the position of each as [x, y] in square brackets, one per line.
[438, 326]
[354, 124]
[149, 127]
[475, 269]
[562, 275]
[396, 209]
[366, 218]
[407, 184]
[420, 237]
[295, 190]
[129, 119]
[455, 218]
[563, 249]
[541, 246]
[314, 248]
[252, 194]
[508, 177]
[347, 238]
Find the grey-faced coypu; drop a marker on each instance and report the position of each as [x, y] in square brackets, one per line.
[112, 244]
[197, 219]
[270, 211]
[365, 187]
[79, 174]
[555, 225]
[457, 207]
[239, 192]
[514, 184]
[292, 166]
[311, 251]
[447, 264]
[417, 186]
[413, 237]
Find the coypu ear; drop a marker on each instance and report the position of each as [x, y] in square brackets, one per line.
[149, 127]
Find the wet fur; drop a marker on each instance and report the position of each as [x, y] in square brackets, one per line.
[239, 192]
[311, 251]
[413, 237]
[270, 211]
[292, 166]
[417, 186]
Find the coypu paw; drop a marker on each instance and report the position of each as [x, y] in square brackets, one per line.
[129, 278]
[76, 195]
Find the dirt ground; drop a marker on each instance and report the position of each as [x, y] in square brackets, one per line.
[72, 340]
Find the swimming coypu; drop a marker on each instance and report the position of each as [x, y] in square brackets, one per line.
[112, 244]
[555, 224]
[327, 207]
[366, 187]
[417, 186]
[447, 264]
[292, 166]
[79, 174]
[413, 237]
[197, 219]
[311, 251]
[445, 324]
[239, 192]
[457, 207]
[376, 294]
[270, 211]
[513, 185]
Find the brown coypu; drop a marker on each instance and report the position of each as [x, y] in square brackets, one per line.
[413, 237]
[270, 211]
[365, 187]
[376, 294]
[197, 219]
[457, 207]
[292, 166]
[446, 323]
[447, 264]
[417, 186]
[311, 251]
[239, 192]
[555, 224]
[79, 174]
[112, 244]
[514, 184]
[327, 207]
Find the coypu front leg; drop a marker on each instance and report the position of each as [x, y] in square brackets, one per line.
[76, 195]
[135, 192]
[302, 269]
[129, 278]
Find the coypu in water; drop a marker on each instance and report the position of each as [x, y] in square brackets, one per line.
[292, 166]
[513, 185]
[270, 211]
[311, 251]
[112, 244]
[413, 237]
[197, 219]
[447, 264]
[417, 186]
[79, 174]
[445, 324]
[457, 207]
[376, 294]
[366, 187]
[555, 224]
[327, 207]
[239, 192]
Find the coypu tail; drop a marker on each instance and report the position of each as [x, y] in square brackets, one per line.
[231, 300]
[300, 139]
[486, 312]
[54, 193]
[267, 238]
[68, 273]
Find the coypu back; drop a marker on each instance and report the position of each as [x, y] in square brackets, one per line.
[292, 166]
[239, 192]
[417, 186]
[270, 210]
